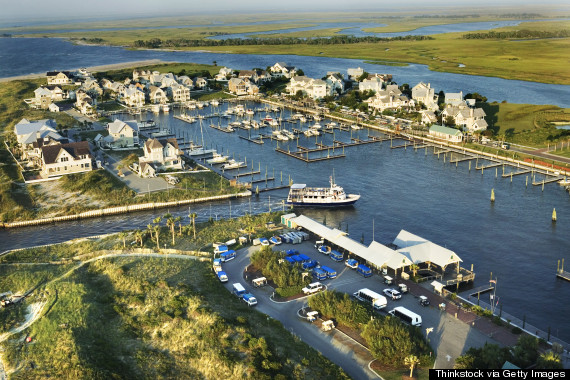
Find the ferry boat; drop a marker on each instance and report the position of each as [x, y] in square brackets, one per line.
[333, 196]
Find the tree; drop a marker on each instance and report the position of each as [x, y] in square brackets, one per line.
[414, 268]
[123, 235]
[549, 360]
[525, 352]
[411, 361]
[449, 120]
[139, 237]
[362, 76]
[171, 223]
[193, 217]
[156, 230]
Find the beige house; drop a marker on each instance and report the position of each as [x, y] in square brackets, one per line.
[179, 92]
[29, 132]
[390, 98]
[240, 86]
[313, 88]
[59, 77]
[281, 69]
[122, 134]
[160, 154]
[46, 95]
[469, 118]
[61, 159]
[423, 93]
[85, 104]
[156, 95]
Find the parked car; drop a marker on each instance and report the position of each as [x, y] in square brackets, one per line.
[392, 293]
[424, 301]
[351, 263]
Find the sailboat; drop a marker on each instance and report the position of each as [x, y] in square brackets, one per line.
[201, 151]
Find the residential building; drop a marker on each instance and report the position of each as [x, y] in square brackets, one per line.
[132, 96]
[179, 93]
[445, 133]
[200, 83]
[59, 77]
[313, 88]
[454, 98]
[469, 118]
[186, 81]
[92, 87]
[122, 134]
[423, 93]
[281, 69]
[353, 74]
[224, 74]
[428, 117]
[46, 95]
[61, 159]
[156, 95]
[85, 104]
[28, 132]
[373, 83]
[240, 86]
[390, 98]
[141, 75]
[335, 82]
[115, 88]
[160, 154]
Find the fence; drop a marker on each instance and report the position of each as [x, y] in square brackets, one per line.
[121, 210]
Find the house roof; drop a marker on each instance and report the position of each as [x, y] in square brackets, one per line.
[76, 149]
[446, 130]
[26, 131]
[117, 125]
[160, 143]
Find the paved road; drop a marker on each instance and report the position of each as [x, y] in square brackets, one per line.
[450, 337]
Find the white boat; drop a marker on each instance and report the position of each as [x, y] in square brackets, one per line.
[250, 112]
[255, 124]
[289, 134]
[297, 116]
[215, 103]
[333, 196]
[165, 108]
[155, 108]
[316, 126]
[355, 126]
[217, 158]
[308, 133]
[564, 182]
[232, 164]
[302, 119]
[314, 132]
[273, 123]
[317, 118]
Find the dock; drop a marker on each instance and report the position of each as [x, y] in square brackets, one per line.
[227, 130]
[563, 275]
[488, 166]
[248, 174]
[512, 174]
[258, 140]
[261, 189]
[476, 292]
[545, 181]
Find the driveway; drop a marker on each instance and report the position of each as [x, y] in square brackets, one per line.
[449, 336]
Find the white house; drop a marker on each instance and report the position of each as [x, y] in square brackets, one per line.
[85, 104]
[373, 83]
[353, 74]
[29, 133]
[46, 95]
[469, 118]
[283, 70]
[445, 133]
[132, 96]
[454, 98]
[335, 82]
[224, 74]
[313, 88]
[390, 98]
[160, 154]
[59, 77]
[241, 86]
[122, 134]
[423, 93]
[179, 93]
[156, 95]
[61, 159]
[200, 82]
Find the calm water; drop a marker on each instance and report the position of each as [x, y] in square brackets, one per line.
[20, 56]
[401, 189]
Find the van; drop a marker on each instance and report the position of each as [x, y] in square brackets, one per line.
[363, 270]
[228, 255]
[249, 299]
[238, 289]
[331, 273]
[406, 316]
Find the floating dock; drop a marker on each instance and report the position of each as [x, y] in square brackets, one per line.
[563, 275]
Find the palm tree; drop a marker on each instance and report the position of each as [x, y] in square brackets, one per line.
[178, 220]
[123, 235]
[414, 268]
[171, 223]
[156, 229]
[411, 361]
[139, 237]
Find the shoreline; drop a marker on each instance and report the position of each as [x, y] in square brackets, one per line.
[112, 66]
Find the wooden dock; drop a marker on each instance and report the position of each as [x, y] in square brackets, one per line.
[507, 175]
[248, 174]
[258, 141]
[462, 159]
[545, 181]
[488, 166]
[480, 290]
[563, 275]
[405, 145]
[261, 189]
[221, 129]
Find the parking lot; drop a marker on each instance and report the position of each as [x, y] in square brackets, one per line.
[448, 336]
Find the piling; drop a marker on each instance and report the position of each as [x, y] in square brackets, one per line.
[554, 215]
[492, 195]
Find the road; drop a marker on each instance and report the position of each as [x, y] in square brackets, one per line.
[450, 337]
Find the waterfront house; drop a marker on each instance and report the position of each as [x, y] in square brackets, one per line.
[390, 98]
[240, 86]
[224, 74]
[122, 134]
[141, 75]
[469, 118]
[29, 132]
[114, 88]
[335, 82]
[428, 117]
[168, 80]
[186, 81]
[132, 96]
[313, 88]
[92, 87]
[423, 93]
[161, 154]
[59, 77]
[200, 83]
[454, 99]
[445, 133]
[281, 69]
[353, 74]
[373, 82]
[61, 159]
[156, 95]
[46, 95]
[85, 104]
[178, 92]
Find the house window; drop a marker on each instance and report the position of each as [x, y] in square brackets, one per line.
[64, 159]
[87, 165]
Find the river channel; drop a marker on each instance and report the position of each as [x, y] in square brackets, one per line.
[401, 188]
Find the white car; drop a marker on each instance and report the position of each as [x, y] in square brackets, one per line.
[392, 293]
[313, 288]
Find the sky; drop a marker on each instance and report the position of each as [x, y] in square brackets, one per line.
[22, 10]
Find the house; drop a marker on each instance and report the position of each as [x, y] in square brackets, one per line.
[160, 154]
[59, 77]
[186, 81]
[28, 132]
[445, 133]
[141, 75]
[132, 96]
[178, 92]
[313, 88]
[168, 80]
[122, 134]
[85, 104]
[224, 74]
[335, 82]
[454, 98]
[241, 86]
[353, 74]
[92, 87]
[390, 98]
[46, 95]
[373, 83]
[200, 83]
[281, 69]
[423, 93]
[61, 159]
[469, 118]
[115, 88]
[82, 73]
[156, 95]
[428, 117]
[249, 74]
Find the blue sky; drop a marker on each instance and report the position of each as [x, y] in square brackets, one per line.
[18, 11]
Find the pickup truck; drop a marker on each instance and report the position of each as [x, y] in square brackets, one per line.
[313, 288]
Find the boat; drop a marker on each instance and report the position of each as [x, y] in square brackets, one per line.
[250, 112]
[288, 133]
[275, 240]
[155, 108]
[215, 103]
[273, 123]
[317, 118]
[217, 159]
[564, 182]
[355, 126]
[232, 164]
[165, 108]
[333, 196]
[316, 126]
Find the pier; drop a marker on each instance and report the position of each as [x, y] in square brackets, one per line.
[561, 273]
[258, 140]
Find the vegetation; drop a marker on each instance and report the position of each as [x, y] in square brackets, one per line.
[341, 307]
[287, 277]
[519, 34]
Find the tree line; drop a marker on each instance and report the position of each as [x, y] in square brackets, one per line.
[522, 34]
[154, 43]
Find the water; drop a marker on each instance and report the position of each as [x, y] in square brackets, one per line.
[401, 189]
[21, 56]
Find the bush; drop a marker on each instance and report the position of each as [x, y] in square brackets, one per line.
[516, 330]
[340, 307]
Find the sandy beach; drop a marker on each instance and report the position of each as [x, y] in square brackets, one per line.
[114, 66]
